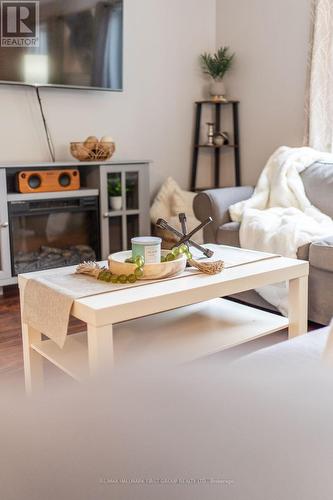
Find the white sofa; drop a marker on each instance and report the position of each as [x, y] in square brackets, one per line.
[298, 352]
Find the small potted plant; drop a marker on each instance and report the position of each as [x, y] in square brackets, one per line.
[115, 193]
[215, 66]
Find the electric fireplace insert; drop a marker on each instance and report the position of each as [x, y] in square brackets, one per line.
[46, 234]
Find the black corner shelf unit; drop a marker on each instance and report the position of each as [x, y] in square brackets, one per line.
[197, 146]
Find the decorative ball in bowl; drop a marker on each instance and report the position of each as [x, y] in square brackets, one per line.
[93, 149]
[160, 270]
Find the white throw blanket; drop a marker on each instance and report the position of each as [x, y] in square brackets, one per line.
[279, 217]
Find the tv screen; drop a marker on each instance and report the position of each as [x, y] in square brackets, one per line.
[72, 43]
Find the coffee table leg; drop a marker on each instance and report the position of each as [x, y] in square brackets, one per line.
[33, 362]
[298, 306]
[100, 348]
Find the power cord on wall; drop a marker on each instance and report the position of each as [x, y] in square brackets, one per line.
[48, 136]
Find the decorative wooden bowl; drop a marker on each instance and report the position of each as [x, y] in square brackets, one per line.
[100, 151]
[117, 265]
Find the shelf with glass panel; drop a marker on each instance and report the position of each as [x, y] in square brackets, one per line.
[124, 205]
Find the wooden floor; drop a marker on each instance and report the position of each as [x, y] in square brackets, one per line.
[10, 334]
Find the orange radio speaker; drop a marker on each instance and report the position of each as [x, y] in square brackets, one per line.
[42, 181]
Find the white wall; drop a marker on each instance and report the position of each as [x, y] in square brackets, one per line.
[270, 39]
[152, 118]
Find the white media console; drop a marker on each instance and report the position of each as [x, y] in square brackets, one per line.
[46, 230]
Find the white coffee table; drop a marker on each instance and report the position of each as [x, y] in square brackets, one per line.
[193, 319]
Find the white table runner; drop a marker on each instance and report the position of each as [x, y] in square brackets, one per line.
[48, 298]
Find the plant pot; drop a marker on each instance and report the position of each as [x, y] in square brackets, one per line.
[116, 202]
[217, 90]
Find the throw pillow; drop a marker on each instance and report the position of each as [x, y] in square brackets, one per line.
[161, 207]
[169, 202]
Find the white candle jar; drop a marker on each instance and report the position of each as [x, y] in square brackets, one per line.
[148, 247]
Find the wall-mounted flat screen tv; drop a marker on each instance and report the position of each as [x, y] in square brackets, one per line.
[72, 43]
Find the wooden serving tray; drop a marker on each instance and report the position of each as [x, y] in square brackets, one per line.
[117, 265]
